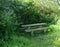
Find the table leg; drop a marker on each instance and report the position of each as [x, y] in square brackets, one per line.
[32, 33]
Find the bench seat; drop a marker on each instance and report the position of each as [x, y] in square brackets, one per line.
[37, 29]
[34, 27]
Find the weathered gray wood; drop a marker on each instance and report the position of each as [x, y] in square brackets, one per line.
[29, 30]
[32, 33]
[28, 27]
[38, 24]
[34, 27]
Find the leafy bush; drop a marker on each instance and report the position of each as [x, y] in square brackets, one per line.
[29, 13]
[13, 13]
[8, 20]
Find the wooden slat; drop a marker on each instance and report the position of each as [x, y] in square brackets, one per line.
[29, 30]
[34, 24]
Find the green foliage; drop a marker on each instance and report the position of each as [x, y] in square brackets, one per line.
[29, 13]
[7, 20]
[13, 13]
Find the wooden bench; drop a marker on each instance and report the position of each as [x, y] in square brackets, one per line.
[35, 27]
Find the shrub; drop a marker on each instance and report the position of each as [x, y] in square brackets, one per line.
[13, 13]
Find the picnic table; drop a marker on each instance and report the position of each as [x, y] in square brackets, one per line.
[35, 27]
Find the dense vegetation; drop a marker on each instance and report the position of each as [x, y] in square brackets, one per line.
[13, 13]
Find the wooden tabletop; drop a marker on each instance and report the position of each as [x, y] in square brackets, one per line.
[37, 24]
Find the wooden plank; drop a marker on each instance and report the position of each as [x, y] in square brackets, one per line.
[34, 24]
[29, 30]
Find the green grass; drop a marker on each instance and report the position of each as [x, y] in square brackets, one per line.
[50, 39]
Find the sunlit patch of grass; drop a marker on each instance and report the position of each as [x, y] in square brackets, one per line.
[57, 33]
[58, 22]
[57, 41]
